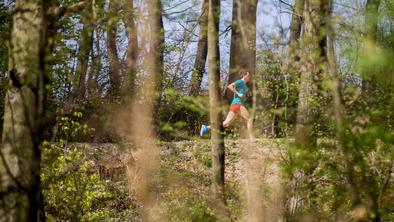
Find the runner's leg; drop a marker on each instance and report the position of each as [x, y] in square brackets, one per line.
[230, 117]
[245, 114]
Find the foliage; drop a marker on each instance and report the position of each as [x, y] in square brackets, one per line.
[78, 195]
[349, 176]
[71, 129]
[345, 175]
[331, 184]
[180, 116]
[72, 187]
[277, 96]
[185, 182]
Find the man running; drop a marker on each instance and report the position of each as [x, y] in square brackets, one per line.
[240, 90]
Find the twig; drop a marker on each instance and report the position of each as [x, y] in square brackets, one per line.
[285, 3]
[178, 12]
[181, 3]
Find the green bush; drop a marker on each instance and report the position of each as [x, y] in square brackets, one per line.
[72, 187]
[201, 212]
[72, 191]
[179, 116]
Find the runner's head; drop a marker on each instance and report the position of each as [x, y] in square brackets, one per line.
[244, 75]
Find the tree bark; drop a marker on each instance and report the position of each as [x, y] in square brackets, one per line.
[85, 47]
[132, 48]
[243, 41]
[295, 30]
[93, 89]
[93, 83]
[142, 133]
[157, 42]
[113, 58]
[217, 140]
[24, 111]
[202, 49]
[312, 70]
[332, 72]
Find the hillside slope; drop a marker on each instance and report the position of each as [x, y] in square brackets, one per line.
[252, 174]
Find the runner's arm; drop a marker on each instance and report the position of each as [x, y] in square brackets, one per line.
[231, 87]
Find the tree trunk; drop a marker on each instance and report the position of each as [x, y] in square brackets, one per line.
[157, 42]
[243, 41]
[132, 48]
[332, 72]
[114, 66]
[369, 43]
[24, 110]
[312, 70]
[141, 115]
[217, 140]
[95, 55]
[202, 49]
[85, 47]
[93, 84]
[294, 51]
[295, 30]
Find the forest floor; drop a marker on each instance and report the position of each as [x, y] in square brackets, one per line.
[254, 185]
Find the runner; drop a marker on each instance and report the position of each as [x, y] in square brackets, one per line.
[240, 90]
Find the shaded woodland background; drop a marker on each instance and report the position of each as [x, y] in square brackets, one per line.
[102, 100]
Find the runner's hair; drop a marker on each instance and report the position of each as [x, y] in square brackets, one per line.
[243, 72]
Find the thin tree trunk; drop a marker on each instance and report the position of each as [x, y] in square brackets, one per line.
[235, 49]
[85, 47]
[339, 110]
[157, 42]
[294, 52]
[332, 72]
[94, 72]
[217, 140]
[144, 169]
[24, 110]
[93, 85]
[264, 98]
[369, 43]
[275, 117]
[187, 35]
[114, 65]
[295, 30]
[202, 49]
[243, 41]
[132, 48]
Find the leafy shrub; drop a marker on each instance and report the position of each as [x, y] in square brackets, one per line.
[72, 192]
[72, 187]
[201, 212]
[180, 116]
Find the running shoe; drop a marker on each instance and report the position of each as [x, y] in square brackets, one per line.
[204, 129]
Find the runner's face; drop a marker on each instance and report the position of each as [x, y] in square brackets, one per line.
[246, 77]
